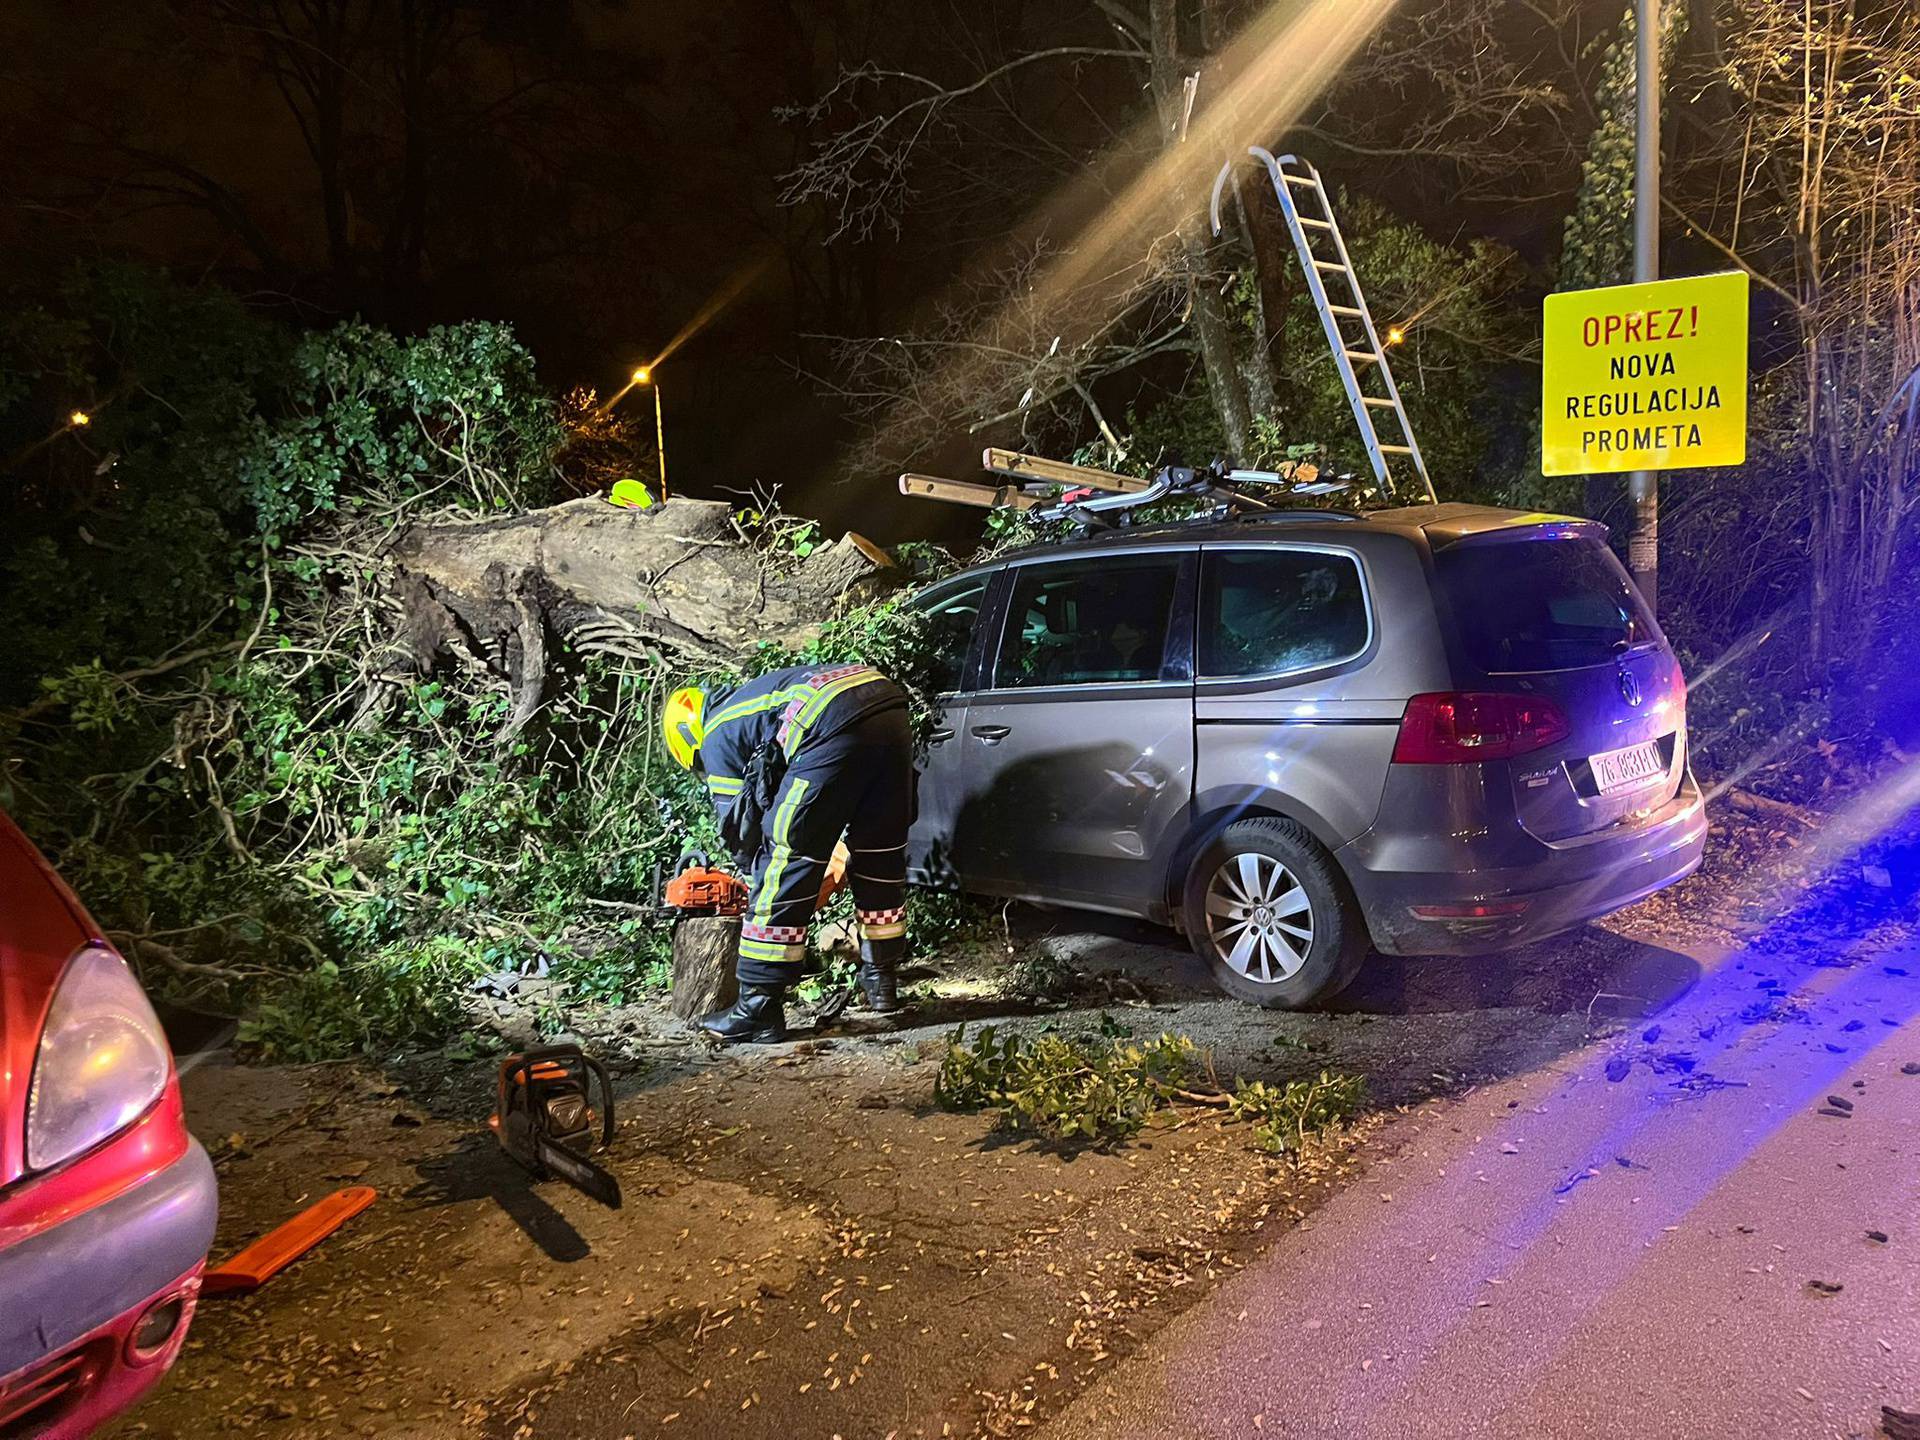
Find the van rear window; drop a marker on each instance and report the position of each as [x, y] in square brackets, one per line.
[1556, 603]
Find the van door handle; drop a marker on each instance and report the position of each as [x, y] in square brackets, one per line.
[940, 737]
[992, 734]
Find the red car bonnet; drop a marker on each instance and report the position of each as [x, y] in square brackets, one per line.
[41, 925]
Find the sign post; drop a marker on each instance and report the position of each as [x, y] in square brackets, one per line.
[1643, 486]
[1645, 377]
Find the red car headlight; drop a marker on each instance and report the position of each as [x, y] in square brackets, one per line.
[103, 1060]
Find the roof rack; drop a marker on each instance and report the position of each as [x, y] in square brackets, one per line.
[1095, 499]
[1315, 515]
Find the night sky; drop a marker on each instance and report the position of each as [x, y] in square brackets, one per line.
[591, 172]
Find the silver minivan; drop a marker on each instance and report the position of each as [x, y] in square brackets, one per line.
[1439, 730]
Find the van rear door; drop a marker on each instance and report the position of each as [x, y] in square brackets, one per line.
[1547, 610]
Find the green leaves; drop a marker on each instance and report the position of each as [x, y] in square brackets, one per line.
[1099, 1088]
[95, 700]
[1106, 1087]
[1597, 238]
[376, 836]
[366, 414]
[1284, 1116]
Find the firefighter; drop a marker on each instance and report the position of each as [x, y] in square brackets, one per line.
[792, 761]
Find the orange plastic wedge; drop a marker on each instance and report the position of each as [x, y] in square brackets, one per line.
[284, 1244]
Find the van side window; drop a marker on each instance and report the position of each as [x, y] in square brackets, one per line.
[1266, 611]
[950, 621]
[1088, 622]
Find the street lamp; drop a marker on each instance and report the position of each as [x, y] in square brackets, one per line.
[644, 376]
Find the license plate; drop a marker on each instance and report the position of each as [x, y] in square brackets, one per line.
[1623, 769]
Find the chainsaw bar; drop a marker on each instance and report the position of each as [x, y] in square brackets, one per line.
[577, 1171]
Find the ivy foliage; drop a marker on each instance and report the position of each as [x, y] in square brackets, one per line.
[1596, 245]
[363, 411]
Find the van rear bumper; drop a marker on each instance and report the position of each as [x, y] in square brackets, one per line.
[1423, 895]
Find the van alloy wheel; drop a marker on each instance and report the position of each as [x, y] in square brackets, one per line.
[1259, 917]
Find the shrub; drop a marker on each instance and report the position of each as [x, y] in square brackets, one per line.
[1101, 1088]
[1107, 1087]
[1284, 1116]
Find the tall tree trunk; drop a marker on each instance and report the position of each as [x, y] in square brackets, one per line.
[1214, 328]
[330, 135]
[1270, 252]
[1212, 324]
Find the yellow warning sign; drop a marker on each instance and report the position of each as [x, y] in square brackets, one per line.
[1646, 377]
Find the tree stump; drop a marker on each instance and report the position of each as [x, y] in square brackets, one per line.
[703, 955]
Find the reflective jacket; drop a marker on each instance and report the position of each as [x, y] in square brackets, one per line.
[778, 714]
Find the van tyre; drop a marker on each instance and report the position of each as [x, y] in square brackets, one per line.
[1270, 913]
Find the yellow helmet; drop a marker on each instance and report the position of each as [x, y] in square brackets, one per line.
[684, 723]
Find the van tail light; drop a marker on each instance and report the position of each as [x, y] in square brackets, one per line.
[1459, 727]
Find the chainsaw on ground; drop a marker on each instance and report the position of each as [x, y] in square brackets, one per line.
[544, 1118]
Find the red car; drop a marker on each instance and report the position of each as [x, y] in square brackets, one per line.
[107, 1204]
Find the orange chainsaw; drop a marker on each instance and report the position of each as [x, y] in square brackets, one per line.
[702, 888]
[699, 887]
[543, 1116]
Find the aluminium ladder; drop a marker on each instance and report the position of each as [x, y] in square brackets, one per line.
[1359, 357]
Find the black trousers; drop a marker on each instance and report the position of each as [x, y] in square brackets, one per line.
[856, 782]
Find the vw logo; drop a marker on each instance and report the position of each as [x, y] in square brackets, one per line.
[1629, 688]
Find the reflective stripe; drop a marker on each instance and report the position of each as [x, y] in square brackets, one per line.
[773, 954]
[772, 700]
[887, 924]
[834, 684]
[782, 825]
[795, 730]
[812, 709]
[807, 699]
[725, 784]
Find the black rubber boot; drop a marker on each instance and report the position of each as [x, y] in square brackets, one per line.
[758, 1017]
[877, 983]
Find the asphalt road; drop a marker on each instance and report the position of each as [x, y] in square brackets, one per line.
[1581, 1252]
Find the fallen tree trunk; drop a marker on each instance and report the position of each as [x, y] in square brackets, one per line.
[678, 579]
